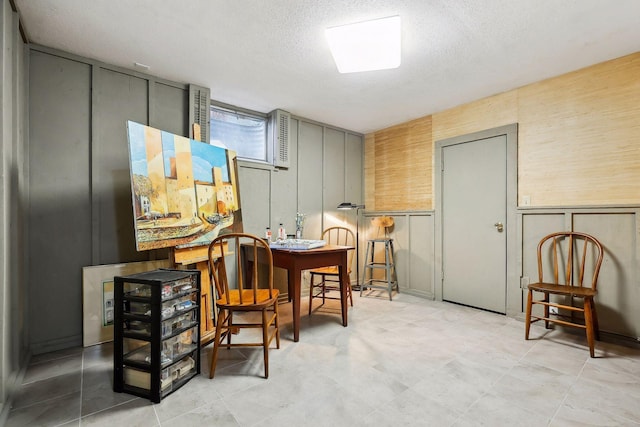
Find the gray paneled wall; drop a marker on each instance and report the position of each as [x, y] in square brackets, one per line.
[618, 229]
[119, 97]
[59, 213]
[13, 263]
[80, 200]
[311, 165]
[325, 167]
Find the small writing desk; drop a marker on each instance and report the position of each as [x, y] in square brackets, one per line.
[295, 261]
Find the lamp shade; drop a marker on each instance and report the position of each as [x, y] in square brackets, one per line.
[349, 205]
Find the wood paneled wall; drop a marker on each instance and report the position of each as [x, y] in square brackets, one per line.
[580, 136]
[399, 165]
[578, 141]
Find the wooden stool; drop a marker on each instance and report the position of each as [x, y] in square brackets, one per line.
[390, 279]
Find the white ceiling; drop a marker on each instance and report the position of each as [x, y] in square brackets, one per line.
[263, 55]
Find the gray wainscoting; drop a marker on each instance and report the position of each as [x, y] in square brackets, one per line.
[618, 229]
[413, 241]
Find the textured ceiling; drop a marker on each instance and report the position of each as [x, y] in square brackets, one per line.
[264, 55]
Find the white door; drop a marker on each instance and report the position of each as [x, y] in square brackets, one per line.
[474, 214]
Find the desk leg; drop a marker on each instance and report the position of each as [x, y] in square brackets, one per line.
[296, 274]
[344, 283]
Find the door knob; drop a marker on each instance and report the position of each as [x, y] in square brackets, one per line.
[499, 226]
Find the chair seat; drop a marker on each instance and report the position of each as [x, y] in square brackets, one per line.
[262, 299]
[563, 289]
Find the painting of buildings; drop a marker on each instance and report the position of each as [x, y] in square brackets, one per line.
[184, 192]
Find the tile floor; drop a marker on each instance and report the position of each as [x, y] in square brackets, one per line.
[407, 362]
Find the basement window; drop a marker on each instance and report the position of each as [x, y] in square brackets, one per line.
[242, 131]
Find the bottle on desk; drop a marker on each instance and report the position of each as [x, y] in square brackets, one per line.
[282, 234]
[267, 234]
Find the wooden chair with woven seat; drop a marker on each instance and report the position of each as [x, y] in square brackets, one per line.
[574, 261]
[329, 276]
[235, 295]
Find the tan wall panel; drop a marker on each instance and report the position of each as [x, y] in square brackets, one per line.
[579, 136]
[578, 141]
[486, 113]
[403, 166]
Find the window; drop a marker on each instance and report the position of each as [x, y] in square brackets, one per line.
[241, 131]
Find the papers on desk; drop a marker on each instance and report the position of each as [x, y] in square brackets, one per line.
[297, 244]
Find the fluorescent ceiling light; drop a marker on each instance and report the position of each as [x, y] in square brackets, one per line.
[366, 46]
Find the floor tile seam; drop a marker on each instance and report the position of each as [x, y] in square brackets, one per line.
[518, 403]
[169, 421]
[234, 393]
[133, 398]
[566, 393]
[601, 384]
[491, 393]
[81, 386]
[51, 377]
[52, 359]
[536, 342]
[615, 414]
[593, 361]
[230, 411]
[40, 402]
[66, 423]
[471, 405]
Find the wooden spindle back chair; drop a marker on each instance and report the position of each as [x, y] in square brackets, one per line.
[574, 260]
[237, 293]
[329, 276]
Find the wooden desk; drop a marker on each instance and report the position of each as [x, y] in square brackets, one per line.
[295, 262]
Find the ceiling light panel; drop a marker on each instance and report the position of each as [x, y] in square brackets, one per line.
[366, 46]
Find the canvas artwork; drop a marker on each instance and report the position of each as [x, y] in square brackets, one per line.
[97, 297]
[185, 193]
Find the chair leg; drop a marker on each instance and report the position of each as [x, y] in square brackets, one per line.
[349, 291]
[311, 285]
[277, 323]
[394, 276]
[588, 320]
[216, 343]
[230, 327]
[367, 262]
[265, 342]
[323, 287]
[546, 310]
[527, 319]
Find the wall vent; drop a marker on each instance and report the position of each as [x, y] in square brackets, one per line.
[279, 127]
[199, 105]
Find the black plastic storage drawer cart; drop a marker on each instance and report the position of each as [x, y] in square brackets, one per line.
[156, 332]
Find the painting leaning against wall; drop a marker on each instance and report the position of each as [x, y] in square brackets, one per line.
[184, 192]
